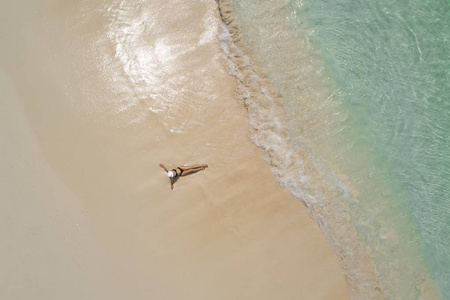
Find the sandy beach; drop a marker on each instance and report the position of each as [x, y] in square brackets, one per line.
[86, 210]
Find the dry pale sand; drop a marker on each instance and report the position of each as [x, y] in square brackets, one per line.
[87, 213]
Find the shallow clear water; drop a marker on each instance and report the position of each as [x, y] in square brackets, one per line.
[391, 62]
[366, 94]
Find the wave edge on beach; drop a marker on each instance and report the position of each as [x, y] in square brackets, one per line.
[296, 169]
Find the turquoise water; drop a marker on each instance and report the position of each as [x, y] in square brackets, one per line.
[391, 60]
[366, 91]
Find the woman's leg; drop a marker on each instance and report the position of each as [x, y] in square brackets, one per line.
[192, 170]
[193, 167]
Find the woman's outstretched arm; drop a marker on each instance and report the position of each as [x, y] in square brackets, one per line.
[171, 179]
[162, 166]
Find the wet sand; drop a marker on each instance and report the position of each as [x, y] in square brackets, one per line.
[87, 211]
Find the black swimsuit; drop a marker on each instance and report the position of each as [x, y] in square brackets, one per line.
[176, 173]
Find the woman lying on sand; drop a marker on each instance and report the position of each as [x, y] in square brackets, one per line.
[181, 171]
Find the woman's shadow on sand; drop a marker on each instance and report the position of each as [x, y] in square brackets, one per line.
[175, 179]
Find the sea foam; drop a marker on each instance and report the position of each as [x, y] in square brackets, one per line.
[296, 169]
[357, 225]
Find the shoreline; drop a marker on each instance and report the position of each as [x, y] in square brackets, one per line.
[268, 131]
[229, 232]
[308, 177]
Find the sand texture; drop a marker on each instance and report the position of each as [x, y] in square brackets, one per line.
[87, 213]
